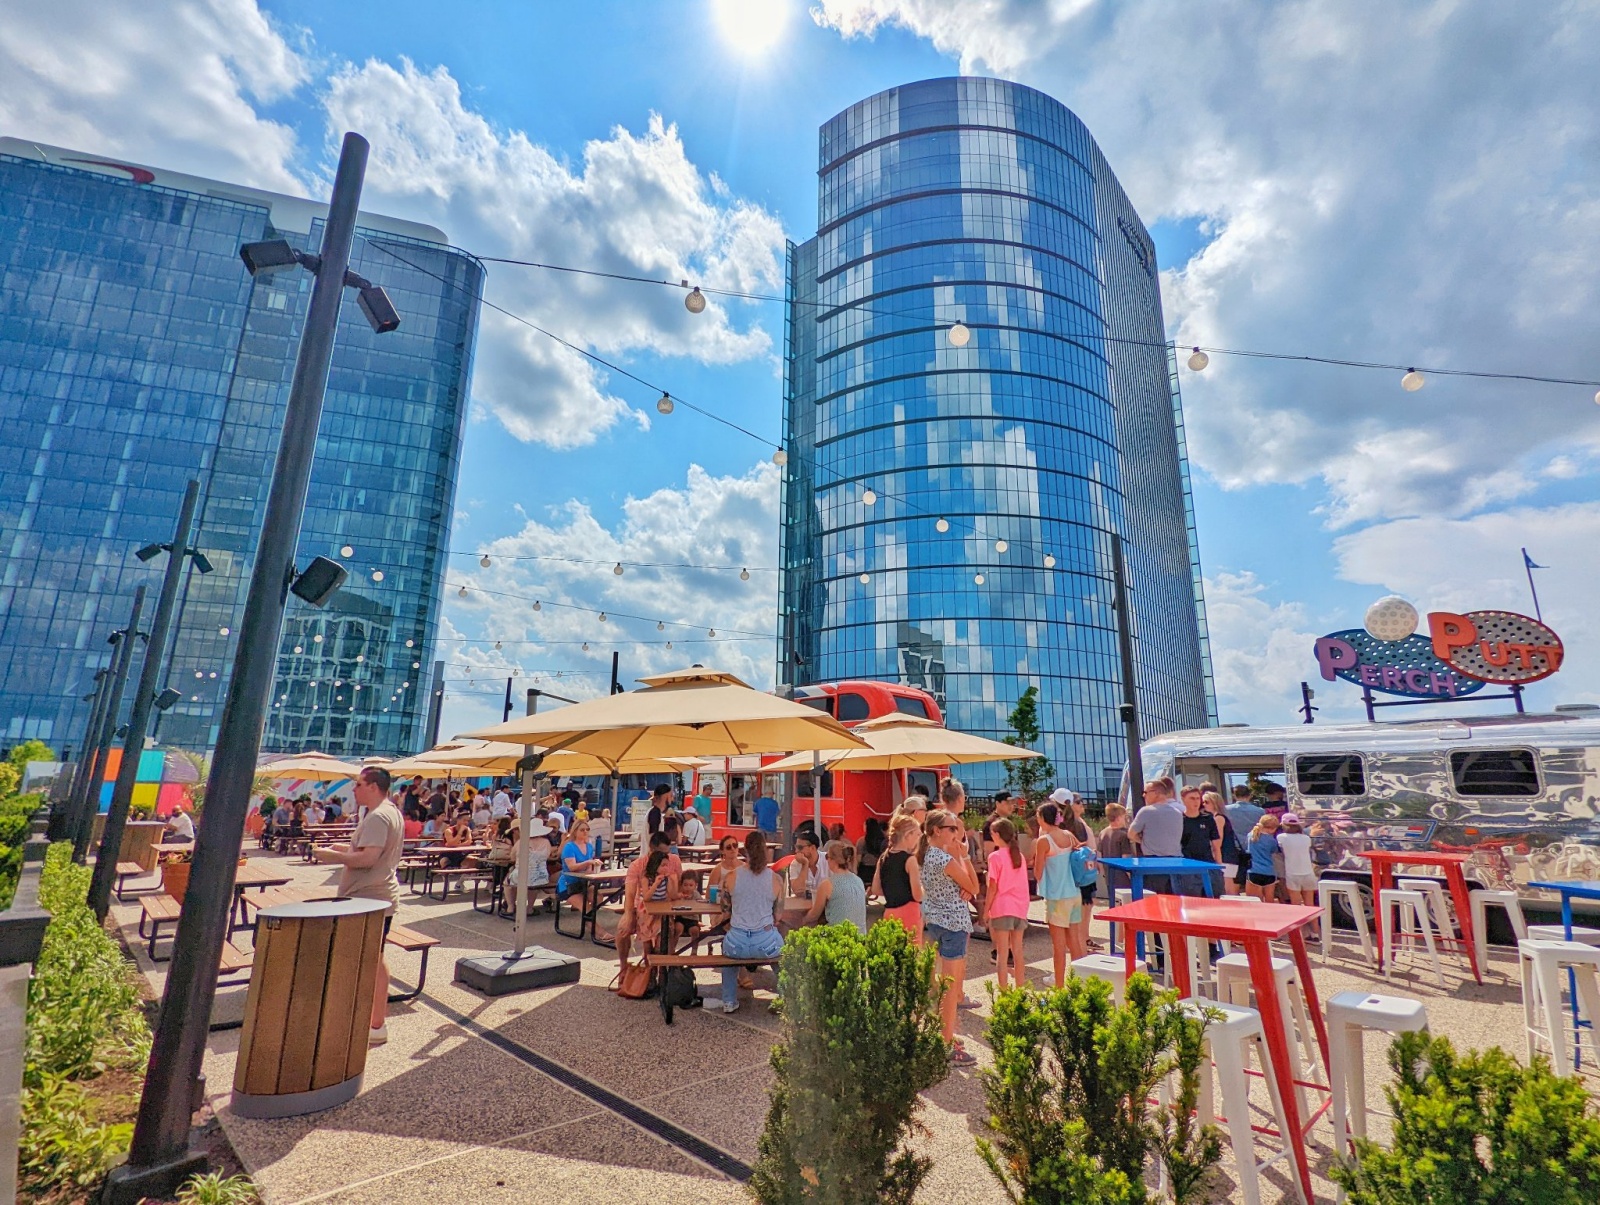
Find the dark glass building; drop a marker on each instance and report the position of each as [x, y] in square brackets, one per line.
[978, 395]
[136, 352]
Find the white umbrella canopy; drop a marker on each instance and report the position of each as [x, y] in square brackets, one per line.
[311, 766]
[688, 713]
[407, 766]
[904, 742]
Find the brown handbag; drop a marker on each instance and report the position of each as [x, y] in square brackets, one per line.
[632, 980]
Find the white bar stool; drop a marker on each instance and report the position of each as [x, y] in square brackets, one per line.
[1350, 1015]
[1109, 967]
[1482, 899]
[1544, 1019]
[1437, 901]
[1580, 933]
[1412, 910]
[1230, 1038]
[1351, 891]
[1119, 896]
[1234, 987]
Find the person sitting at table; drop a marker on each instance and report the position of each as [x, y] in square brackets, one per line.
[297, 818]
[754, 893]
[805, 868]
[695, 831]
[727, 863]
[334, 810]
[180, 828]
[412, 826]
[689, 889]
[459, 833]
[481, 813]
[538, 862]
[652, 877]
[842, 896]
[578, 856]
[314, 813]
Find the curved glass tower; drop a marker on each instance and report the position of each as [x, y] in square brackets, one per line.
[977, 396]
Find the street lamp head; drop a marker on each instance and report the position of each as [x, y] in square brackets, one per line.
[149, 552]
[201, 562]
[268, 256]
[319, 581]
[167, 699]
[380, 311]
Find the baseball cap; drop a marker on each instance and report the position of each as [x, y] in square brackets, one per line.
[1290, 818]
[1060, 795]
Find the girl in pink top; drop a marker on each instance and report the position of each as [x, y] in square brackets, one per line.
[1007, 902]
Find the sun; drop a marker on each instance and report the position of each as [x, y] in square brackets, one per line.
[751, 26]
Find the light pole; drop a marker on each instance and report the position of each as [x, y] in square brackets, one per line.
[90, 803]
[1130, 689]
[155, 650]
[160, 1157]
[63, 820]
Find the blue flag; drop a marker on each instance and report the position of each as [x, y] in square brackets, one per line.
[1528, 561]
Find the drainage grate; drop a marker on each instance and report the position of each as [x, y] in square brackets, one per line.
[690, 1144]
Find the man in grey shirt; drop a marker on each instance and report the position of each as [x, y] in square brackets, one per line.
[1157, 829]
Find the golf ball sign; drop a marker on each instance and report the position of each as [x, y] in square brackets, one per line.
[1459, 654]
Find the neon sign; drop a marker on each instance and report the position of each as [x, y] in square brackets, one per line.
[1495, 646]
[1458, 656]
[1406, 667]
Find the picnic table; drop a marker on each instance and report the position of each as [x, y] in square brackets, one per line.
[250, 875]
[1136, 868]
[698, 851]
[664, 955]
[594, 883]
[1181, 917]
[1384, 862]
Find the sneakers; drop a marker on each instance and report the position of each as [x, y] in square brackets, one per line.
[719, 1006]
[378, 1036]
[959, 1057]
[968, 1004]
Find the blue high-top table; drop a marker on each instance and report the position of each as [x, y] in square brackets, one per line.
[1582, 889]
[1137, 868]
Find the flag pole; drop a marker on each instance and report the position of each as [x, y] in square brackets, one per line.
[1528, 567]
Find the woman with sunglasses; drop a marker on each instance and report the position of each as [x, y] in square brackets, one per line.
[948, 882]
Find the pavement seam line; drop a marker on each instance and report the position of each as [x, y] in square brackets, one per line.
[661, 1128]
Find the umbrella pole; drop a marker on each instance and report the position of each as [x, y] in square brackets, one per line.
[524, 823]
[816, 793]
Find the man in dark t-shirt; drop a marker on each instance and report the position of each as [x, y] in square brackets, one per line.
[437, 801]
[1202, 841]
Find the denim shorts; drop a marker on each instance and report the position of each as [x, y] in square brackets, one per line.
[952, 943]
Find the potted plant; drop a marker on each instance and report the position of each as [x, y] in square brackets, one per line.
[175, 873]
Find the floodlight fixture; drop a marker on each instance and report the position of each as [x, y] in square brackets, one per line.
[379, 310]
[268, 256]
[318, 581]
[150, 551]
[167, 699]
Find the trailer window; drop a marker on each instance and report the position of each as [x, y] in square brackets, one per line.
[738, 800]
[1330, 774]
[820, 702]
[852, 707]
[912, 706]
[1495, 772]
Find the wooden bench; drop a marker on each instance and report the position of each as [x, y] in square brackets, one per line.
[126, 871]
[234, 960]
[411, 941]
[155, 911]
[695, 961]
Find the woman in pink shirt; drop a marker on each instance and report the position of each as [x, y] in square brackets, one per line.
[1007, 901]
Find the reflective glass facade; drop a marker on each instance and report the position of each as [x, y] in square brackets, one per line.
[136, 352]
[980, 202]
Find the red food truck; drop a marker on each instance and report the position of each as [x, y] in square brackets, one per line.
[743, 797]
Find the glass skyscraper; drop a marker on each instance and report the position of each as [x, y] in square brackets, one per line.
[135, 353]
[978, 395]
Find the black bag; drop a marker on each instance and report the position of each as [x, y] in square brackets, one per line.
[678, 988]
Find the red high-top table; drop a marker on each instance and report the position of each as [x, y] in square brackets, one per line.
[1253, 927]
[1384, 862]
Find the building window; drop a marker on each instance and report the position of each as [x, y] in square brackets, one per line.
[1330, 774]
[1495, 772]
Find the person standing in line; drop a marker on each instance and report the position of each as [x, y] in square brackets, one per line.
[1005, 806]
[1299, 873]
[1157, 829]
[1263, 879]
[948, 882]
[898, 880]
[1073, 821]
[500, 805]
[1063, 901]
[660, 800]
[369, 863]
[694, 828]
[1007, 903]
[1202, 842]
[1235, 858]
[754, 893]
[870, 848]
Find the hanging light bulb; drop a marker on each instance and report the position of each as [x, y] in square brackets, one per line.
[299, 648]
[711, 632]
[1198, 360]
[361, 656]
[377, 575]
[497, 646]
[317, 639]
[602, 616]
[617, 569]
[669, 644]
[695, 302]
[869, 497]
[781, 458]
[664, 405]
[942, 525]
[537, 605]
[586, 646]
[411, 644]
[347, 551]
[1597, 397]
[977, 579]
[416, 665]
[484, 560]
[660, 627]
[462, 592]
[1412, 381]
[200, 673]
[744, 575]
[960, 335]
[1049, 560]
[1001, 546]
[865, 578]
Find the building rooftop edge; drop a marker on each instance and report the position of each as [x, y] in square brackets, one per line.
[290, 214]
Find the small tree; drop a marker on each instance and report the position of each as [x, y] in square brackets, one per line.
[1478, 1129]
[1069, 1095]
[27, 751]
[860, 1041]
[1031, 776]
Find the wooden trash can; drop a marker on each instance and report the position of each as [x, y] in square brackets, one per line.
[304, 1045]
[139, 839]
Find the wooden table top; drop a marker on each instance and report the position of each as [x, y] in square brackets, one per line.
[251, 875]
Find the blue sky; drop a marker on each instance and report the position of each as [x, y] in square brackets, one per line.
[1412, 186]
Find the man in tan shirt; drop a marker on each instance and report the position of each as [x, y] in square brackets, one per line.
[369, 863]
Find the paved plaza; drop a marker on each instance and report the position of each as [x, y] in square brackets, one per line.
[572, 1094]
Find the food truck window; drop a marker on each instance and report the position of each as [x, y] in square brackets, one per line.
[852, 707]
[739, 799]
[912, 706]
[802, 784]
[923, 782]
[1330, 774]
[820, 702]
[1495, 772]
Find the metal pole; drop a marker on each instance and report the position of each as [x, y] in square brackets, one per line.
[506, 713]
[1527, 565]
[155, 652]
[525, 819]
[435, 704]
[816, 794]
[66, 827]
[1130, 689]
[159, 1157]
[108, 730]
[616, 687]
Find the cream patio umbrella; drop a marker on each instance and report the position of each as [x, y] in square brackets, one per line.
[688, 713]
[311, 766]
[905, 742]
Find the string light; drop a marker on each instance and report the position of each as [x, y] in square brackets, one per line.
[317, 639]
[669, 646]
[1001, 546]
[977, 579]
[484, 560]
[960, 335]
[1049, 560]
[377, 575]
[865, 578]
[1412, 381]
[744, 575]
[695, 302]
[1198, 360]
[711, 632]
[586, 646]
[462, 592]
[664, 406]
[781, 458]
[347, 552]
[617, 569]
[299, 648]
[222, 631]
[869, 497]
[942, 525]
[537, 605]
[602, 616]
[660, 627]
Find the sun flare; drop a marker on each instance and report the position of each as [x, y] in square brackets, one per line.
[751, 26]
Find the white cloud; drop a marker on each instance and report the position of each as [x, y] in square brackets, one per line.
[1413, 184]
[729, 521]
[172, 83]
[635, 206]
[1260, 650]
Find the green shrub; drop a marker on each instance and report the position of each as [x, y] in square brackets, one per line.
[63, 1143]
[16, 823]
[1477, 1129]
[1070, 1090]
[213, 1189]
[860, 1041]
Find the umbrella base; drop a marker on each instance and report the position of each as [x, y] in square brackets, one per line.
[502, 974]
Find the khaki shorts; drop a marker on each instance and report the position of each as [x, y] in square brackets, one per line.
[1301, 882]
[1063, 914]
[1007, 924]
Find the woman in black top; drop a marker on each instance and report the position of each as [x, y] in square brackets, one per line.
[870, 848]
[899, 877]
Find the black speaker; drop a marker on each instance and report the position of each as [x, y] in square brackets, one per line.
[317, 582]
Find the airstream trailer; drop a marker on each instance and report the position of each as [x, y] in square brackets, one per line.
[1520, 793]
